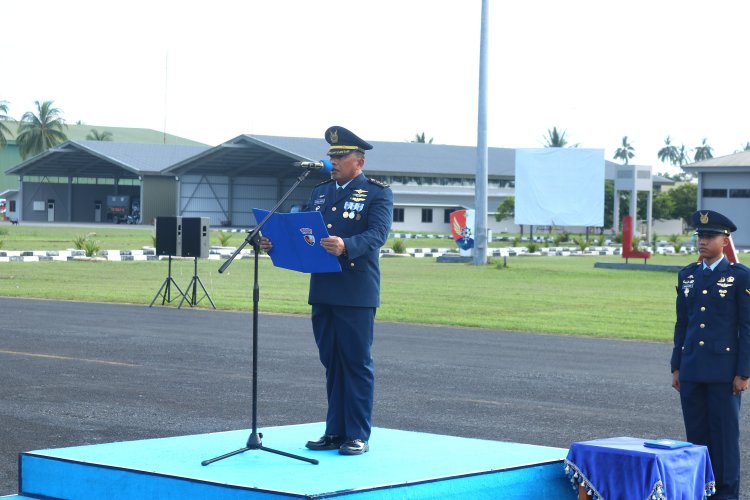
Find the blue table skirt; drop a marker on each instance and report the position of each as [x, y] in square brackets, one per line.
[622, 468]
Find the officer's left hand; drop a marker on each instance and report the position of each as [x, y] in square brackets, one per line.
[739, 386]
[334, 245]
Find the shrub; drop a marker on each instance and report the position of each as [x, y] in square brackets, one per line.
[79, 242]
[581, 243]
[398, 246]
[532, 247]
[224, 238]
[91, 247]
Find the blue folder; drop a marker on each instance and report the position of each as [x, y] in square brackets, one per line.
[666, 444]
[296, 241]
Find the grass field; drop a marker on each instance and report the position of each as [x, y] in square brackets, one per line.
[565, 295]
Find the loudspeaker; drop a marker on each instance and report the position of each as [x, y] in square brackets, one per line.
[195, 237]
[169, 236]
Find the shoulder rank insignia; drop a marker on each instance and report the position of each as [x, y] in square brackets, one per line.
[377, 183]
[324, 182]
[747, 291]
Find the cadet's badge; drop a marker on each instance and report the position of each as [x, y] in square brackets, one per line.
[704, 218]
[334, 136]
[686, 291]
[722, 293]
[308, 235]
[730, 279]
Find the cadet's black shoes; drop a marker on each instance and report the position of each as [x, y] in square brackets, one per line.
[354, 447]
[326, 442]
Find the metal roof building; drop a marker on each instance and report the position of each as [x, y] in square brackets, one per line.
[71, 181]
[724, 186]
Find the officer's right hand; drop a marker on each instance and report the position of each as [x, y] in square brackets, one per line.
[265, 244]
[676, 380]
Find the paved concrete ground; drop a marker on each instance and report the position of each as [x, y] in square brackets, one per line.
[81, 373]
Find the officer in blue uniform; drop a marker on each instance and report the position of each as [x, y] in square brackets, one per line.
[711, 357]
[358, 213]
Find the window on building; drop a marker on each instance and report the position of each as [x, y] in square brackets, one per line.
[447, 215]
[714, 193]
[398, 215]
[12, 206]
[426, 215]
[739, 193]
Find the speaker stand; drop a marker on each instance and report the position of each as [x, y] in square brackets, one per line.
[166, 288]
[194, 284]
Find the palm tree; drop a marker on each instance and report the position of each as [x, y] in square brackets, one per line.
[669, 152]
[625, 152]
[3, 127]
[682, 156]
[703, 152]
[555, 139]
[38, 133]
[421, 139]
[95, 135]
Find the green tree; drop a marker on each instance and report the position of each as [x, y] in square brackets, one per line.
[420, 138]
[609, 203]
[39, 132]
[4, 130]
[669, 152]
[703, 152]
[506, 209]
[95, 135]
[555, 139]
[662, 206]
[625, 152]
[685, 198]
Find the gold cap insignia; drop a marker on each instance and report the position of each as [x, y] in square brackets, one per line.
[704, 218]
[334, 136]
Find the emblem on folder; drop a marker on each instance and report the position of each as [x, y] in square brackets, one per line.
[307, 233]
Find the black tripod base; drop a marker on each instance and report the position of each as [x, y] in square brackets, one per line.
[254, 442]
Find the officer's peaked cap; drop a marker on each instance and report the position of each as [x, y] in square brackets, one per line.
[708, 221]
[344, 141]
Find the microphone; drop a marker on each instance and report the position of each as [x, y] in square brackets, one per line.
[325, 165]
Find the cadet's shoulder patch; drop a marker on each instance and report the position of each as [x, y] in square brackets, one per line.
[324, 182]
[377, 182]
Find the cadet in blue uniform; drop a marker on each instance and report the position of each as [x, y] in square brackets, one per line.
[711, 356]
[358, 213]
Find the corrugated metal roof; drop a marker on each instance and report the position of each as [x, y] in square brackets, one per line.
[741, 159]
[407, 157]
[105, 159]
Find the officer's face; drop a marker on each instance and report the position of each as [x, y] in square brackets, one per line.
[346, 168]
[711, 246]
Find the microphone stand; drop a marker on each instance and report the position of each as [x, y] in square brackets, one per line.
[255, 442]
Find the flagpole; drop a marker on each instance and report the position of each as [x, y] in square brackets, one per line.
[480, 195]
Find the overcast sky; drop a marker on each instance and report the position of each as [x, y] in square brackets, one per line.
[388, 69]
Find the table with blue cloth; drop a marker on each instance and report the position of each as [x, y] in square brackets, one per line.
[623, 468]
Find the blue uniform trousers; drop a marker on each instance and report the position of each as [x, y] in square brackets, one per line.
[711, 414]
[344, 336]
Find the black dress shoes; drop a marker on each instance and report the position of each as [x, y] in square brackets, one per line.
[354, 447]
[326, 442]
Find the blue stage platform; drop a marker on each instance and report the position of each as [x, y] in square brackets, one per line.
[399, 465]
